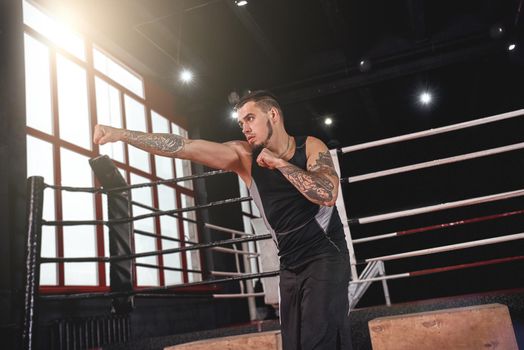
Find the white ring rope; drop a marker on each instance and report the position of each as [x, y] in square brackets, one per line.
[431, 132]
[442, 206]
[234, 251]
[241, 295]
[228, 273]
[436, 162]
[450, 247]
[228, 230]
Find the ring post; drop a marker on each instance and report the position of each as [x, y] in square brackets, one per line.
[118, 207]
[35, 204]
[341, 207]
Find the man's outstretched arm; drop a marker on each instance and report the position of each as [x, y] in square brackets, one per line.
[215, 155]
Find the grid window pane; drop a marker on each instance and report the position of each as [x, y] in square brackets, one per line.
[48, 272]
[166, 197]
[142, 194]
[109, 112]
[73, 107]
[107, 254]
[183, 167]
[191, 234]
[169, 228]
[55, 31]
[40, 163]
[79, 241]
[37, 85]
[163, 165]
[136, 120]
[118, 72]
[171, 260]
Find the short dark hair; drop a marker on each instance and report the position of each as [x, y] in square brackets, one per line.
[262, 98]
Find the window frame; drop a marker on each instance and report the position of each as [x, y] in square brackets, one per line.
[57, 143]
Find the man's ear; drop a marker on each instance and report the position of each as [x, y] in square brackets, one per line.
[274, 114]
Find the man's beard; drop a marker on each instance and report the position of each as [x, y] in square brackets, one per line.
[258, 148]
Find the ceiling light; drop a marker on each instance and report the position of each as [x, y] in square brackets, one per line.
[511, 47]
[328, 121]
[240, 3]
[186, 76]
[364, 65]
[425, 98]
[496, 31]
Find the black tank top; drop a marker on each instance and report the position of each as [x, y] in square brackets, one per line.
[302, 230]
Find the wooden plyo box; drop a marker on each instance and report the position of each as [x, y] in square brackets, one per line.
[259, 341]
[466, 328]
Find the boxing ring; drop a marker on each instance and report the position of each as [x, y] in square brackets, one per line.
[119, 210]
[371, 269]
[374, 267]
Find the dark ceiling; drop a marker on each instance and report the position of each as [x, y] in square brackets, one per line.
[308, 53]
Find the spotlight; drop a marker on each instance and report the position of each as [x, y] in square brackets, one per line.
[364, 65]
[328, 121]
[496, 31]
[241, 3]
[234, 115]
[425, 98]
[512, 47]
[186, 76]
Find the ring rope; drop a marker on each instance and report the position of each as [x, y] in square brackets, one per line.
[167, 238]
[160, 252]
[144, 216]
[238, 295]
[437, 207]
[451, 247]
[432, 132]
[158, 289]
[433, 163]
[438, 226]
[441, 269]
[153, 209]
[130, 187]
[227, 273]
[235, 251]
[227, 230]
[167, 268]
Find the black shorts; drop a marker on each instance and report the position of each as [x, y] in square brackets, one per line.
[314, 305]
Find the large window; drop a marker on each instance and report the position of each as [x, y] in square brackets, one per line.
[71, 85]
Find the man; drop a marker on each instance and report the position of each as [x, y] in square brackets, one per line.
[294, 184]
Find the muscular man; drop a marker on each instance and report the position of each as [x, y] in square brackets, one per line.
[294, 185]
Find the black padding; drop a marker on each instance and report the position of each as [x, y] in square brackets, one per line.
[118, 206]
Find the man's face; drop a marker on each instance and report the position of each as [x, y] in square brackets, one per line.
[255, 125]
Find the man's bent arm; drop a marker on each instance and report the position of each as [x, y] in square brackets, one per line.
[315, 186]
[319, 183]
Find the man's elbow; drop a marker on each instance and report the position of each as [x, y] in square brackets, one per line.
[331, 201]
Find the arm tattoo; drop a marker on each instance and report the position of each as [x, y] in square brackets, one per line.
[324, 164]
[162, 144]
[316, 187]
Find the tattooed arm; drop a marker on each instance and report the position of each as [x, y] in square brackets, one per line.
[319, 183]
[226, 156]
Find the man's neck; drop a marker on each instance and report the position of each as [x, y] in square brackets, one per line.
[280, 144]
